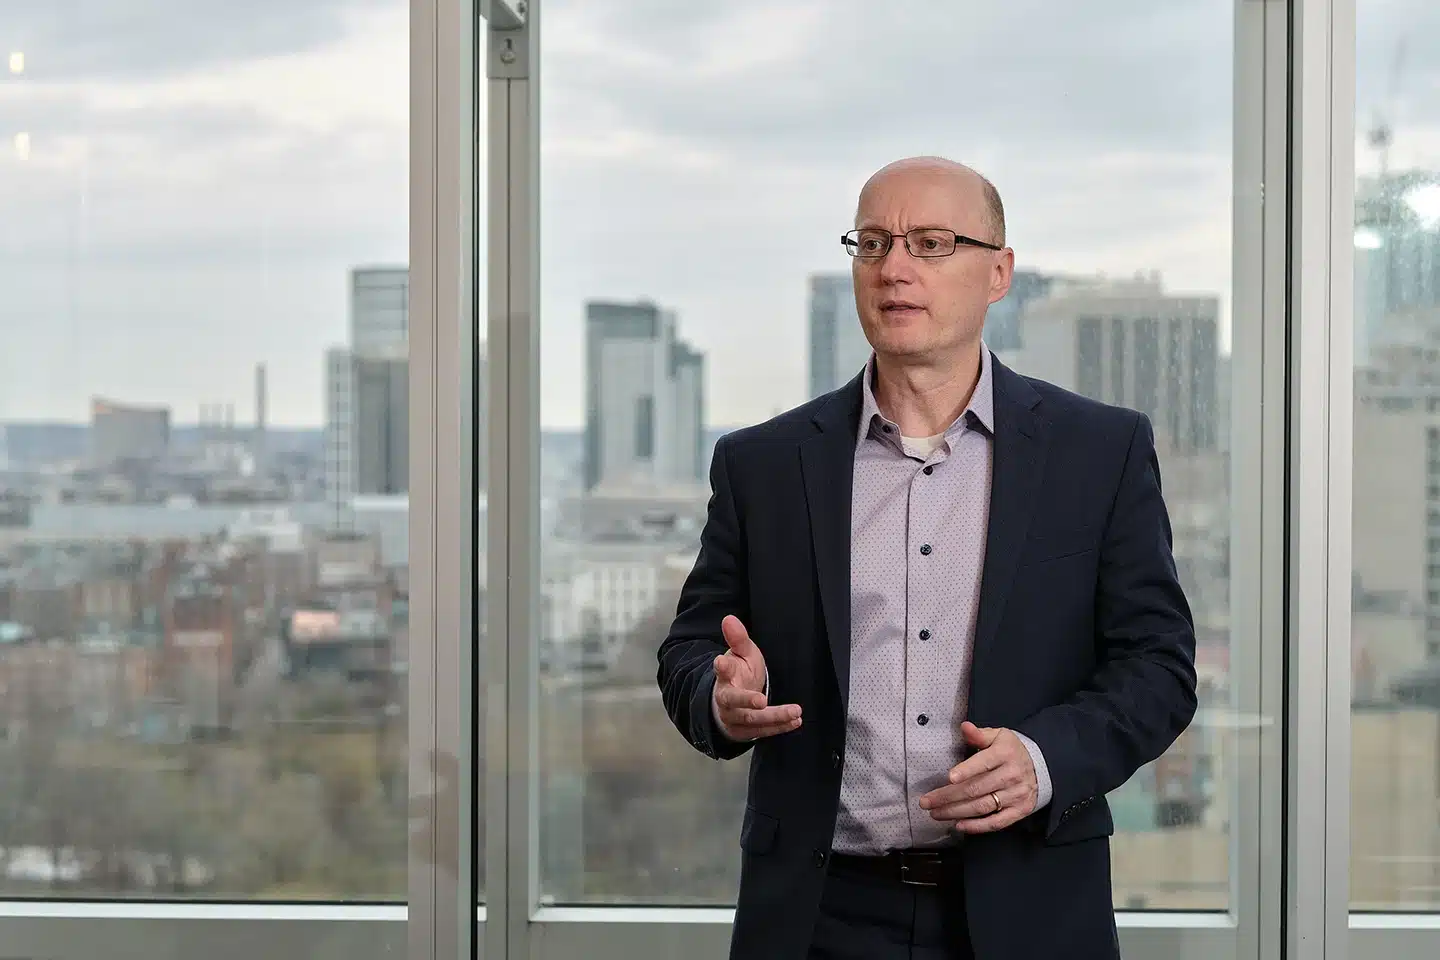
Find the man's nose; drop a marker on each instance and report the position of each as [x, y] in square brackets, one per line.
[897, 265]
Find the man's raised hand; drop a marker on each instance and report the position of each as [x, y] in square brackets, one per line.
[740, 702]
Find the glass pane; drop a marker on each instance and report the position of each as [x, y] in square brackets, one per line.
[1395, 633]
[203, 450]
[670, 134]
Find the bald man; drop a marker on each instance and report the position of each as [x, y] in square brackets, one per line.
[939, 606]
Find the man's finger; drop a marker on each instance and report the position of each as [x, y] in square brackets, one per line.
[979, 737]
[742, 718]
[737, 638]
[976, 766]
[1007, 817]
[983, 805]
[943, 796]
[996, 781]
[762, 731]
[726, 668]
[734, 698]
[775, 729]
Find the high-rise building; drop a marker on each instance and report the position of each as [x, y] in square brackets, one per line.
[258, 439]
[339, 434]
[127, 432]
[838, 348]
[367, 407]
[379, 308]
[645, 399]
[1396, 515]
[1130, 343]
[1003, 330]
[1397, 260]
[381, 386]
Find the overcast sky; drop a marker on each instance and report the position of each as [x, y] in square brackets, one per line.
[185, 183]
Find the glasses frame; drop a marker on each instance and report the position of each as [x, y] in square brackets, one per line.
[852, 244]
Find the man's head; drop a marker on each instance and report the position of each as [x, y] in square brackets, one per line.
[930, 308]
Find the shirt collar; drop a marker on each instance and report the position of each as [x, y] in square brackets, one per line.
[981, 405]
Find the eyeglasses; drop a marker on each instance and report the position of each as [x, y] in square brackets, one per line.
[926, 243]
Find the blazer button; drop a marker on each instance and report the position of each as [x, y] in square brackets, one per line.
[820, 858]
[835, 759]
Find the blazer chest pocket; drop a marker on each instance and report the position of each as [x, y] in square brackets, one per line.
[757, 831]
[1059, 545]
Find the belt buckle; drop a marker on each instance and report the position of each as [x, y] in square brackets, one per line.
[931, 859]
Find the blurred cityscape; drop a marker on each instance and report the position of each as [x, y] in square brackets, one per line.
[203, 627]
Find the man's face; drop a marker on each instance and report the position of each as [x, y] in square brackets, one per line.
[927, 308]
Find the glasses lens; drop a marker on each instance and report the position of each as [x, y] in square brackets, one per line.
[931, 243]
[868, 243]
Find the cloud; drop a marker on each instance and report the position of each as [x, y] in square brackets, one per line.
[110, 40]
[1015, 77]
[300, 155]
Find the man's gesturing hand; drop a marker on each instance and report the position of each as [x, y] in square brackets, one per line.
[740, 703]
[1001, 769]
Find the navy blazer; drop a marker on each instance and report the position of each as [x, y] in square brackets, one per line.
[1083, 641]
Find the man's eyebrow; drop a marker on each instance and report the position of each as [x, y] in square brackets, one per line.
[918, 226]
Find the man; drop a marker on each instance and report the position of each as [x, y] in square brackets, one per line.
[940, 606]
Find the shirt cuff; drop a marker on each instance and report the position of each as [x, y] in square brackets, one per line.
[715, 710]
[1042, 772]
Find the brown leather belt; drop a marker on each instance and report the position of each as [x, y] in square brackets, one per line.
[921, 868]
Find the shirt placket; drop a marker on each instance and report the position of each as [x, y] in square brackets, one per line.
[922, 722]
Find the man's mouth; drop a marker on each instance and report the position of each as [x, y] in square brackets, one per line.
[892, 306]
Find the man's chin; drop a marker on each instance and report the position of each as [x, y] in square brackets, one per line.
[903, 348]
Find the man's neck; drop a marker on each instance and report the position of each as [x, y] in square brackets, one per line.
[924, 398]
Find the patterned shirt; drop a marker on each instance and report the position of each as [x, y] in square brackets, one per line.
[919, 518]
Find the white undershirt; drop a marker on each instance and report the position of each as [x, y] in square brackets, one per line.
[922, 447]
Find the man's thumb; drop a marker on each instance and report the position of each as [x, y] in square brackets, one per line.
[737, 638]
[978, 736]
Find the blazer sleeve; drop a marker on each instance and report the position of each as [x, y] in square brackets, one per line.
[1142, 695]
[715, 588]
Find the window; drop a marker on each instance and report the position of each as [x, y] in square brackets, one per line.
[203, 572]
[686, 143]
[1118, 365]
[1175, 408]
[1147, 366]
[1395, 839]
[1089, 357]
[644, 428]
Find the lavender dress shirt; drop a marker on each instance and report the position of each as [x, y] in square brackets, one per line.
[918, 522]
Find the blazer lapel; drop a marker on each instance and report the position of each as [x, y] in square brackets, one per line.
[827, 463]
[1021, 437]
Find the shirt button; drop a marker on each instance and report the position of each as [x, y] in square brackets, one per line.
[924, 549]
[888, 429]
[924, 634]
[820, 858]
[922, 719]
[929, 470]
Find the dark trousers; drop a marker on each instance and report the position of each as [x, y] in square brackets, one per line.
[870, 918]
